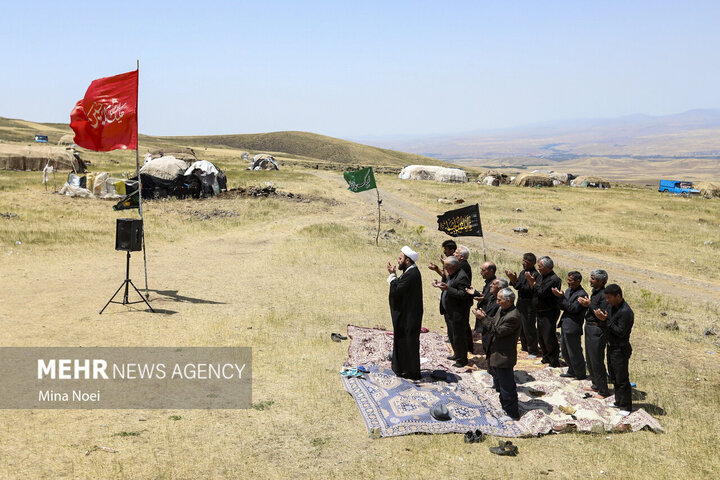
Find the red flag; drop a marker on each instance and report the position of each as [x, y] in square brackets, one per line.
[106, 119]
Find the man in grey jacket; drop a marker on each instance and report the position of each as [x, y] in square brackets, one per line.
[504, 330]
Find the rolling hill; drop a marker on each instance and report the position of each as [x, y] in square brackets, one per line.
[300, 145]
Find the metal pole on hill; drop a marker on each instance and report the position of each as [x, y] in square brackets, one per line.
[137, 172]
[379, 202]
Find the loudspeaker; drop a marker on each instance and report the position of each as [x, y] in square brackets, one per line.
[128, 234]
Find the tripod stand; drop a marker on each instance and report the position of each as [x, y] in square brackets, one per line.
[126, 283]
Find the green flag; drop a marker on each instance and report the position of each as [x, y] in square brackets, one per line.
[360, 180]
[128, 201]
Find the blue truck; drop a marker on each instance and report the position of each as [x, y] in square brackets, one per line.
[678, 186]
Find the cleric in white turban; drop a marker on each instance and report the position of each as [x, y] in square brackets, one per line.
[406, 309]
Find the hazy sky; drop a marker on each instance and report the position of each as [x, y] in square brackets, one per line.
[350, 68]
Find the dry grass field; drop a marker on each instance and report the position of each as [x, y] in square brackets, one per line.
[280, 275]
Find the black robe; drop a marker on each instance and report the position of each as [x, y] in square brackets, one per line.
[406, 309]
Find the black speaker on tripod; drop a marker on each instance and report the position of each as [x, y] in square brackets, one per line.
[128, 238]
[128, 234]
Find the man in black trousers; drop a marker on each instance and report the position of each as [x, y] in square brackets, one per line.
[406, 309]
[455, 306]
[547, 309]
[504, 330]
[527, 304]
[571, 324]
[595, 339]
[618, 325]
[487, 270]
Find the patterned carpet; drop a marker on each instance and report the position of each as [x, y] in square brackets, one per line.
[394, 406]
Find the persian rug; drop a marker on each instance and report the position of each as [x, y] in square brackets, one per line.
[392, 406]
[542, 393]
[371, 346]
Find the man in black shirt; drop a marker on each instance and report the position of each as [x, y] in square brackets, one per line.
[449, 247]
[595, 340]
[571, 324]
[547, 309]
[618, 325]
[487, 270]
[462, 253]
[455, 307]
[526, 304]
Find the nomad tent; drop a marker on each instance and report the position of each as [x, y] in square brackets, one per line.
[169, 176]
[533, 180]
[263, 161]
[493, 177]
[166, 168]
[430, 172]
[67, 141]
[593, 182]
[35, 158]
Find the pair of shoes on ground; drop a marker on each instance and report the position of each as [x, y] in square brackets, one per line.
[474, 437]
[460, 363]
[505, 449]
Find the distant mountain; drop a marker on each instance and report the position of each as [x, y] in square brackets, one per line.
[695, 133]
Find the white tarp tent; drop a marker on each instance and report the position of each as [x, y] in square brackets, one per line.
[431, 172]
[166, 168]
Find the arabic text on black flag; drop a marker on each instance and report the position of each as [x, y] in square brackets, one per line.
[462, 222]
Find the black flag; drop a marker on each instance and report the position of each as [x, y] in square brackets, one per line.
[462, 222]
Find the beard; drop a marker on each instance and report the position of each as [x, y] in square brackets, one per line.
[402, 266]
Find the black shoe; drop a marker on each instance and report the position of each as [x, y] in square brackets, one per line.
[504, 448]
[460, 364]
[584, 377]
[336, 337]
[479, 436]
[567, 375]
[453, 357]
[545, 360]
[469, 437]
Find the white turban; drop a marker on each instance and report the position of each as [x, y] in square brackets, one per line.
[410, 253]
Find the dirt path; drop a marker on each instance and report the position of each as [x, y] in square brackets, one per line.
[649, 279]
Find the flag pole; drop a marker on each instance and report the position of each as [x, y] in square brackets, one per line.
[378, 202]
[137, 171]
